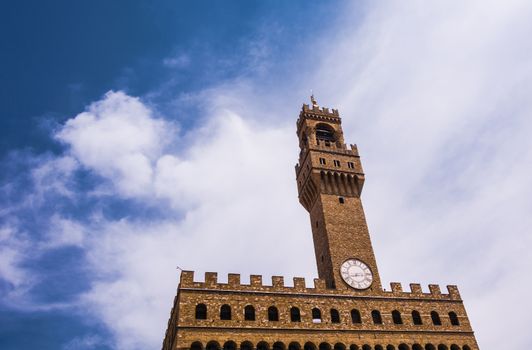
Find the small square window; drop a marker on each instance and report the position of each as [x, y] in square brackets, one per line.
[322, 161]
[341, 200]
[336, 163]
[350, 165]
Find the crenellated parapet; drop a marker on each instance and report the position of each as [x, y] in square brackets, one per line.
[318, 287]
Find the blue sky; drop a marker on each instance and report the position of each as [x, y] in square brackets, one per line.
[137, 136]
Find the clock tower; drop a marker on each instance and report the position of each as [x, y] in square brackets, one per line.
[330, 180]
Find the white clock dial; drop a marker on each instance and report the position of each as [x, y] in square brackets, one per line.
[356, 274]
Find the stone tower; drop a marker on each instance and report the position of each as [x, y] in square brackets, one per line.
[330, 181]
[346, 307]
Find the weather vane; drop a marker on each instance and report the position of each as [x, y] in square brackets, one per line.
[313, 100]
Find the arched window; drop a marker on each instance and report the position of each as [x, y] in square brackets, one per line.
[442, 347]
[295, 314]
[294, 346]
[309, 346]
[273, 314]
[249, 313]
[429, 346]
[455, 347]
[335, 316]
[278, 346]
[435, 318]
[339, 346]
[403, 347]
[454, 318]
[225, 312]
[390, 347]
[196, 346]
[324, 346]
[396, 316]
[201, 312]
[324, 132]
[379, 347]
[366, 347]
[417, 347]
[246, 345]
[262, 345]
[353, 347]
[416, 318]
[316, 315]
[355, 316]
[376, 316]
[466, 347]
[212, 345]
[230, 345]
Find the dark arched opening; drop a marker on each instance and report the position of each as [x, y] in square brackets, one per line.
[249, 313]
[355, 316]
[316, 315]
[396, 317]
[379, 347]
[324, 346]
[196, 346]
[455, 347]
[454, 318]
[339, 346]
[417, 347]
[273, 314]
[309, 346]
[353, 347]
[294, 346]
[230, 345]
[295, 314]
[430, 347]
[366, 347]
[262, 345]
[201, 312]
[225, 312]
[466, 347]
[335, 316]
[246, 345]
[435, 318]
[212, 345]
[403, 347]
[278, 346]
[442, 347]
[325, 132]
[376, 316]
[390, 347]
[416, 318]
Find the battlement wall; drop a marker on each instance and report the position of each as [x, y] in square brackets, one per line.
[300, 287]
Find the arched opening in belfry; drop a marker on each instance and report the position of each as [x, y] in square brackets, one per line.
[212, 345]
[466, 347]
[325, 134]
[379, 347]
[201, 312]
[442, 347]
[294, 346]
[335, 316]
[376, 316]
[278, 346]
[355, 316]
[454, 318]
[417, 347]
[225, 312]
[429, 346]
[249, 313]
[353, 347]
[196, 346]
[309, 346]
[339, 346]
[455, 347]
[366, 347]
[316, 315]
[390, 347]
[396, 317]
[416, 318]
[324, 346]
[273, 314]
[229, 345]
[263, 346]
[403, 346]
[435, 318]
[246, 345]
[295, 314]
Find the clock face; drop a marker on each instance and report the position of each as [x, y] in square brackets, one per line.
[356, 274]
